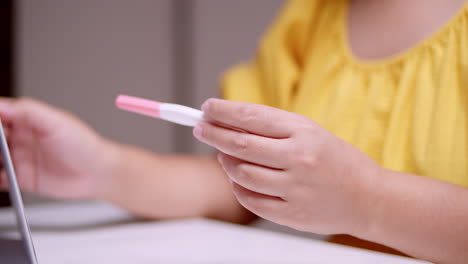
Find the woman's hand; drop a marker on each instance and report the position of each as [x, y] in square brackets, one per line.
[288, 169]
[54, 153]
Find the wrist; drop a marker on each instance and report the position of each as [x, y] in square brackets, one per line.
[110, 165]
[370, 206]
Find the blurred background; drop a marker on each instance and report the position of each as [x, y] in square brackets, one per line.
[78, 55]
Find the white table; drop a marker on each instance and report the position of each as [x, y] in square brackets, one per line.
[99, 233]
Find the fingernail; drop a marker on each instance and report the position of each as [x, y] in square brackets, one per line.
[197, 131]
[206, 106]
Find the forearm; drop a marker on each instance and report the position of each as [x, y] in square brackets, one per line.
[168, 186]
[420, 216]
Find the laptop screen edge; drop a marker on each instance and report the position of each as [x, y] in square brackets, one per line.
[16, 198]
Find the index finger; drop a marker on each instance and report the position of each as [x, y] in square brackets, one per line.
[256, 119]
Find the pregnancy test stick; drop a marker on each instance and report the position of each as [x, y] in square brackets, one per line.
[175, 113]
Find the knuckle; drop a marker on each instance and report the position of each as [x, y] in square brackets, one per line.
[248, 113]
[213, 106]
[208, 132]
[307, 159]
[256, 204]
[307, 127]
[247, 199]
[205, 132]
[244, 175]
[252, 204]
[240, 144]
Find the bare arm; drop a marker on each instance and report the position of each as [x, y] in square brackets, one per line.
[420, 216]
[59, 156]
[168, 186]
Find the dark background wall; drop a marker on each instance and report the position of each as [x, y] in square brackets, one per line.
[6, 60]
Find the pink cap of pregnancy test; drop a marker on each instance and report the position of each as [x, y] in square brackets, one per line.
[138, 105]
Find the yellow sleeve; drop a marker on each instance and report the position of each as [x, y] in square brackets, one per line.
[270, 79]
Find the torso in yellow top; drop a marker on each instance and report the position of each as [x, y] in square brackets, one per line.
[408, 112]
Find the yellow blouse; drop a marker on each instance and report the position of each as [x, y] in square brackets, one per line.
[408, 112]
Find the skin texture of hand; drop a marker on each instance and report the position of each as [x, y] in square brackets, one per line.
[54, 153]
[286, 168]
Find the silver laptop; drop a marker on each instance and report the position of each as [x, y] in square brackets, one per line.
[15, 251]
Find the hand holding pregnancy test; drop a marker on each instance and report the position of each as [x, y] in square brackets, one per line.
[290, 170]
[283, 166]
